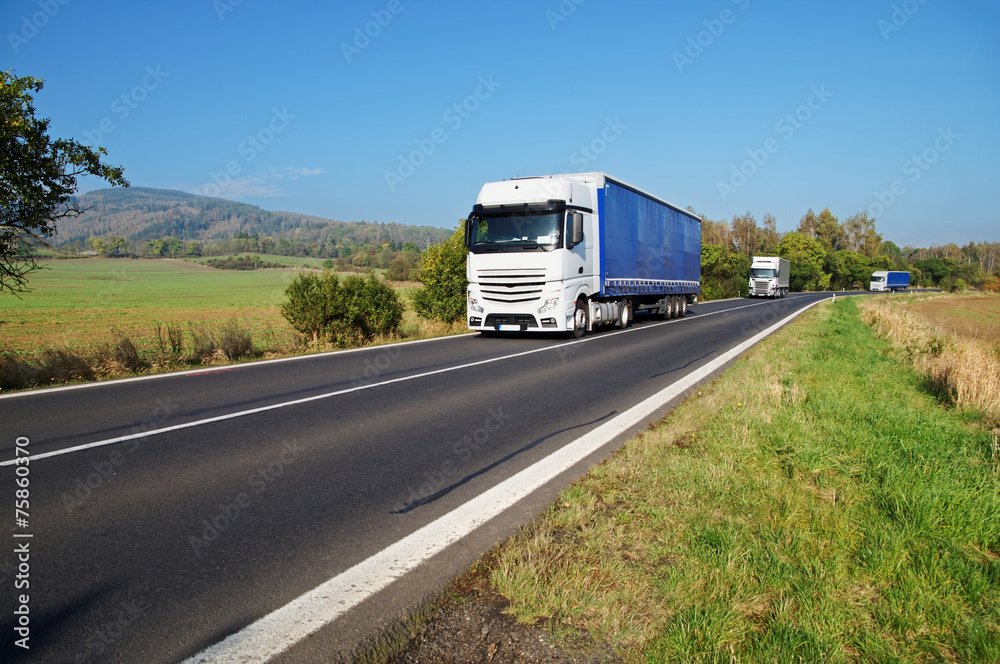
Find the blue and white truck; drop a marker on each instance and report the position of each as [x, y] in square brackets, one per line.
[888, 280]
[569, 253]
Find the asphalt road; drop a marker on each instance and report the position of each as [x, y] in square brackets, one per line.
[231, 492]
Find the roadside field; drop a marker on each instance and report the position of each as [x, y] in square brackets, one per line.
[976, 317]
[75, 303]
[814, 503]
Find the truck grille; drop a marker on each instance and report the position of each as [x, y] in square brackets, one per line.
[511, 286]
[760, 285]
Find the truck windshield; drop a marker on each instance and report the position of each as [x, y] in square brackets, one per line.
[878, 279]
[523, 232]
[762, 273]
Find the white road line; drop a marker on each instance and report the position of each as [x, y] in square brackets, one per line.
[286, 626]
[327, 395]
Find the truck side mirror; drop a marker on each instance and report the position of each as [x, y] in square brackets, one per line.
[468, 232]
[575, 228]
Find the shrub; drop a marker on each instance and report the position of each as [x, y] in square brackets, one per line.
[312, 302]
[125, 352]
[350, 311]
[202, 343]
[236, 342]
[403, 266]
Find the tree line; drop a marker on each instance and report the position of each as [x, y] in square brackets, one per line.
[828, 254]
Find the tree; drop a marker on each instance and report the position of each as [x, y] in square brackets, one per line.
[37, 179]
[807, 256]
[442, 271]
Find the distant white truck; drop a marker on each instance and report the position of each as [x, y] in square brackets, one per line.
[769, 277]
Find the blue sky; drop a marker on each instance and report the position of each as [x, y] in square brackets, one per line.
[399, 111]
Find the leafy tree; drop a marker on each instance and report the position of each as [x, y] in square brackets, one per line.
[442, 272]
[807, 257]
[724, 273]
[37, 179]
[934, 268]
[192, 248]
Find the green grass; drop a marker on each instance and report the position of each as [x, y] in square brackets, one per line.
[75, 302]
[812, 504]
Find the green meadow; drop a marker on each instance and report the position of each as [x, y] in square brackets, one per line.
[76, 303]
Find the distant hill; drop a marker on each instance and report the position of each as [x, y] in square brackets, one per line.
[141, 214]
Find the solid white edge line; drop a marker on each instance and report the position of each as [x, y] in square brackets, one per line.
[281, 629]
[326, 395]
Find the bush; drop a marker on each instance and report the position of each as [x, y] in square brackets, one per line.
[403, 266]
[236, 341]
[125, 353]
[345, 312]
[442, 272]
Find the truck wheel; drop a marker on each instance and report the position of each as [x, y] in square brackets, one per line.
[581, 318]
[625, 314]
[683, 306]
[675, 307]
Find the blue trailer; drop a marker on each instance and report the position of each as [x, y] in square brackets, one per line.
[889, 280]
[568, 253]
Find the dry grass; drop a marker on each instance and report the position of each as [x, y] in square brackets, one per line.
[960, 355]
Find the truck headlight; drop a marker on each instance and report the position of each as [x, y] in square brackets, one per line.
[550, 305]
[474, 305]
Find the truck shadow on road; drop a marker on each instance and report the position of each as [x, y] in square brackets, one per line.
[420, 502]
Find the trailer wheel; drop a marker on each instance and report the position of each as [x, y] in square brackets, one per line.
[684, 306]
[675, 307]
[581, 318]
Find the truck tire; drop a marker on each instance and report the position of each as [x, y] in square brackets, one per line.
[675, 307]
[683, 302]
[581, 318]
[625, 314]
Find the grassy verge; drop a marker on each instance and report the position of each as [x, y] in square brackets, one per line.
[815, 503]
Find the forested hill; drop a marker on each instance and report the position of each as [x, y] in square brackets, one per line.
[140, 214]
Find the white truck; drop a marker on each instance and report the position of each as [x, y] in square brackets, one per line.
[769, 277]
[569, 253]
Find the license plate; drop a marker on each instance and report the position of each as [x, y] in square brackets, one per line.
[510, 328]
